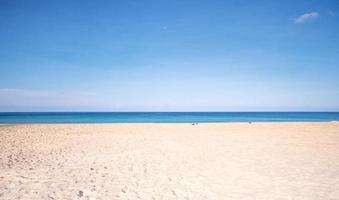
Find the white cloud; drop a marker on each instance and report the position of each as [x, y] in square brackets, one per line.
[306, 17]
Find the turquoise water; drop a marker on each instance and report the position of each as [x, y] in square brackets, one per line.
[164, 117]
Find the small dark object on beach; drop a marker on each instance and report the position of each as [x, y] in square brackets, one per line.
[250, 122]
[81, 193]
[92, 168]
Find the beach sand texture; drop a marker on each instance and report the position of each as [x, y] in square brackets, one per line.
[170, 161]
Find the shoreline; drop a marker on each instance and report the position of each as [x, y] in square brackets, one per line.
[173, 123]
[166, 117]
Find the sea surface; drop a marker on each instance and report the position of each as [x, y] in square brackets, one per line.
[164, 117]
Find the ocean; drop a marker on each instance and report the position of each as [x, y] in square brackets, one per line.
[163, 117]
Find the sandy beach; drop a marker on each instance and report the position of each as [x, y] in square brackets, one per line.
[170, 161]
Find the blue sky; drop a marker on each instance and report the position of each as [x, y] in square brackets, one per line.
[169, 55]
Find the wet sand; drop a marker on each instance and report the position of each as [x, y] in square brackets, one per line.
[170, 161]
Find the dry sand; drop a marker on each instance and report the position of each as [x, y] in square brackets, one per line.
[170, 161]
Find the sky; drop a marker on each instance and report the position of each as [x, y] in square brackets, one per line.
[187, 55]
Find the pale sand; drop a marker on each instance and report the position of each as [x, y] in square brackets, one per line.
[170, 161]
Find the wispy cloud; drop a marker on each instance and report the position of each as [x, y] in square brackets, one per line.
[40, 93]
[332, 13]
[37, 98]
[306, 17]
[27, 93]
